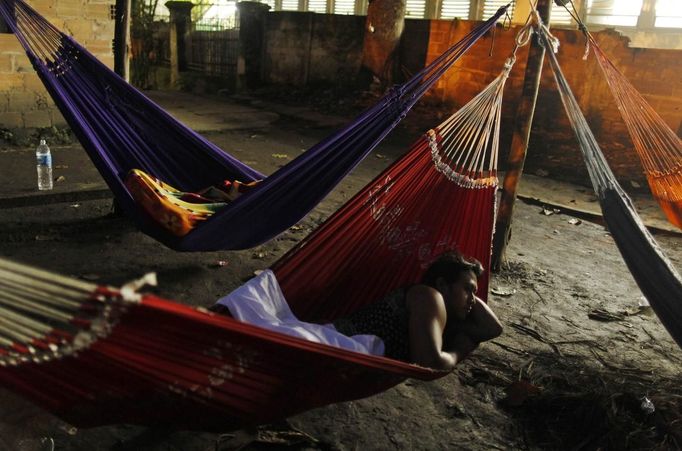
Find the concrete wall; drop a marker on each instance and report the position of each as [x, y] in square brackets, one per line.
[305, 48]
[24, 103]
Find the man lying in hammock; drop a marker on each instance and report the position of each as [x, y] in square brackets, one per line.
[435, 323]
[178, 211]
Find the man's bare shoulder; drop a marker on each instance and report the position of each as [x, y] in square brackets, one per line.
[424, 297]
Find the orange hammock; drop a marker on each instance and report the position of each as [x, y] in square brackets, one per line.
[658, 147]
[96, 355]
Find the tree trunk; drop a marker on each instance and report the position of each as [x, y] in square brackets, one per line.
[384, 26]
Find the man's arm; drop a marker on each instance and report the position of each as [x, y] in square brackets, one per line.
[426, 323]
[481, 323]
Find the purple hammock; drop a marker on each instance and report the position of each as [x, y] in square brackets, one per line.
[121, 129]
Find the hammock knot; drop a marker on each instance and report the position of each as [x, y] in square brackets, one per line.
[129, 291]
[542, 29]
[509, 64]
[582, 28]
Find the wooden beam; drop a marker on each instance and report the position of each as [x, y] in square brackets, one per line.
[519, 145]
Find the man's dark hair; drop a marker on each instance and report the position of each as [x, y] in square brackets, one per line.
[449, 266]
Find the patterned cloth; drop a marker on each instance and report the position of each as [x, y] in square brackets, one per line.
[177, 211]
[387, 319]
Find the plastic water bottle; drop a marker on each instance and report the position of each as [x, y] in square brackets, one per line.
[44, 165]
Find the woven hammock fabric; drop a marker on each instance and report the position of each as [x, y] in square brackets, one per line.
[657, 278]
[196, 370]
[658, 147]
[168, 364]
[121, 129]
[96, 356]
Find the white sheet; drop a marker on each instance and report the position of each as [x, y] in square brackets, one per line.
[260, 302]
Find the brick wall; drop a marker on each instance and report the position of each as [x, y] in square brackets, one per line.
[24, 103]
[553, 148]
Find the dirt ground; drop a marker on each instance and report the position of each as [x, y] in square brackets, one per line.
[574, 369]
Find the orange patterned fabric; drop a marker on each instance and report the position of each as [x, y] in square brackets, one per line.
[177, 211]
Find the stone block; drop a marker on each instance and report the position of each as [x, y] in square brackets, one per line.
[97, 11]
[103, 29]
[37, 119]
[33, 83]
[44, 7]
[57, 118]
[80, 29]
[9, 43]
[21, 63]
[6, 63]
[11, 120]
[4, 102]
[69, 9]
[22, 101]
[11, 82]
[58, 22]
[107, 60]
[100, 47]
[43, 101]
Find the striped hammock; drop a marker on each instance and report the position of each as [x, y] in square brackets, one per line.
[97, 355]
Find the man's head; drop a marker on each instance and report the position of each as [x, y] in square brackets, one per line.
[456, 278]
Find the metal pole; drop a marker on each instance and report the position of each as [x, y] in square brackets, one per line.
[519, 145]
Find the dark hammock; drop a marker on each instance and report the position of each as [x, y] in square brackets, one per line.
[88, 353]
[121, 129]
[654, 273]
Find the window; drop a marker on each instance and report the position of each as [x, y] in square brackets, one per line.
[219, 16]
[490, 7]
[415, 9]
[560, 16]
[449, 9]
[614, 12]
[289, 5]
[344, 7]
[317, 6]
[668, 14]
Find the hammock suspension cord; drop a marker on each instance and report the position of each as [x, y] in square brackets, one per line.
[469, 139]
[45, 316]
[657, 145]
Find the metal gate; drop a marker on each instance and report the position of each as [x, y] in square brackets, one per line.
[214, 47]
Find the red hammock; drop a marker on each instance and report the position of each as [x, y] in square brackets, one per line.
[95, 357]
[197, 370]
[658, 147]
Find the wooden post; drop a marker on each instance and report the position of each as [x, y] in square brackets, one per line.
[519, 145]
[122, 39]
